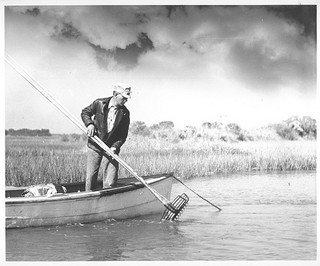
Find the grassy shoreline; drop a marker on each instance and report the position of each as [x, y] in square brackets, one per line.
[37, 160]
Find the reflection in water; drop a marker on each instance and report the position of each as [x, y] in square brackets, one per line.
[263, 217]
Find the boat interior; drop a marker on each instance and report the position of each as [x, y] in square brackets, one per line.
[12, 192]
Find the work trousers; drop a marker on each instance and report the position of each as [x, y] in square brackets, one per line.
[109, 168]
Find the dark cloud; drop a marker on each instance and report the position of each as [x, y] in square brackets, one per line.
[103, 56]
[173, 10]
[33, 12]
[303, 15]
[258, 67]
[142, 18]
[261, 55]
[203, 7]
[65, 31]
[252, 65]
[261, 66]
[126, 58]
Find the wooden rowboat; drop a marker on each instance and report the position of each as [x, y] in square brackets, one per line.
[130, 198]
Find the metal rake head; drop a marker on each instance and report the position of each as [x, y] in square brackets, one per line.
[178, 205]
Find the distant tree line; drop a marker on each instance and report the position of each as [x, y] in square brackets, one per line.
[294, 128]
[28, 132]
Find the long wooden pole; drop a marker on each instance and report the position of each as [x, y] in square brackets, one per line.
[197, 193]
[96, 139]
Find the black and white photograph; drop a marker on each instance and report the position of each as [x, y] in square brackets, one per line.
[160, 131]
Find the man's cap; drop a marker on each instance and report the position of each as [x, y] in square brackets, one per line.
[123, 89]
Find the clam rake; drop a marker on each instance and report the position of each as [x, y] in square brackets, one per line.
[179, 203]
[173, 209]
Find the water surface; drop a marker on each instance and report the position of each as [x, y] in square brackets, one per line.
[264, 217]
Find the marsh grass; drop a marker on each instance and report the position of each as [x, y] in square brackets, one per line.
[34, 160]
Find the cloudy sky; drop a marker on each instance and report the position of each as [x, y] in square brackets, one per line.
[251, 65]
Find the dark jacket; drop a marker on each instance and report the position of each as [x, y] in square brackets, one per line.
[97, 114]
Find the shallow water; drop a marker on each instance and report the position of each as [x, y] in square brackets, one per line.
[264, 217]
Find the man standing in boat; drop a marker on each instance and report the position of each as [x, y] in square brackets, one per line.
[108, 119]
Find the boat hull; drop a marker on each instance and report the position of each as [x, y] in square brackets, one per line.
[128, 201]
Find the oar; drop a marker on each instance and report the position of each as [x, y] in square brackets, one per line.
[176, 210]
[197, 193]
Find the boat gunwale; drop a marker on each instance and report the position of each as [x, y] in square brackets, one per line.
[152, 179]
